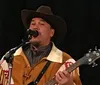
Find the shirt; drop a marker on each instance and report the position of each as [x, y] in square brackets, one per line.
[34, 55]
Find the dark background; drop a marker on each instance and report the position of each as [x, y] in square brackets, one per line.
[83, 28]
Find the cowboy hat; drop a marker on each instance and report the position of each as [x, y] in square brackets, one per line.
[45, 13]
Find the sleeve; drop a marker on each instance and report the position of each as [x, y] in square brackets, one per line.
[5, 71]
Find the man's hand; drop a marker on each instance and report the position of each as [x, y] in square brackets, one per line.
[64, 78]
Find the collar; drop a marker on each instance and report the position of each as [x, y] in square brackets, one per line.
[55, 54]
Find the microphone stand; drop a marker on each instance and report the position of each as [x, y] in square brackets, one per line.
[9, 57]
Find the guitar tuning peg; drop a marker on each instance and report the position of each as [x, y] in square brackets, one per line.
[95, 47]
[98, 49]
[94, 64]
[89, 50]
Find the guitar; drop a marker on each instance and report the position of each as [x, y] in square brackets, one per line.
[87, 59]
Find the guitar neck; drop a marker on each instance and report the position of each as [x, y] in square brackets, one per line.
[73, 66]
[78, 63]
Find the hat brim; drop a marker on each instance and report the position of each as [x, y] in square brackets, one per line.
[55, 21]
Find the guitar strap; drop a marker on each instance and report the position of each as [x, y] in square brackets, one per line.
[41, 74]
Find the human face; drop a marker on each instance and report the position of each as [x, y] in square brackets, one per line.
[44, 29]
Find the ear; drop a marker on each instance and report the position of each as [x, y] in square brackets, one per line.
[52, 32]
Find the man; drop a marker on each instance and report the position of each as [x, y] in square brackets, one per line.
[30, 59]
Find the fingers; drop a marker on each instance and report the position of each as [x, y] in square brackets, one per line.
[62, 77]
[66, 73]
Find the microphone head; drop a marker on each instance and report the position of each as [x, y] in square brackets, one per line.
[33, 33]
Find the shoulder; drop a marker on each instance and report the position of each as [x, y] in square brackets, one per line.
[67, 57]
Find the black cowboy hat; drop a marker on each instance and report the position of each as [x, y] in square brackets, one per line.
[45, 12]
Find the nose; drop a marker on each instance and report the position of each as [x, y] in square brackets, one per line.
[35, 27]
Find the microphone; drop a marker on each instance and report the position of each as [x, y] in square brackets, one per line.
[33, 33]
